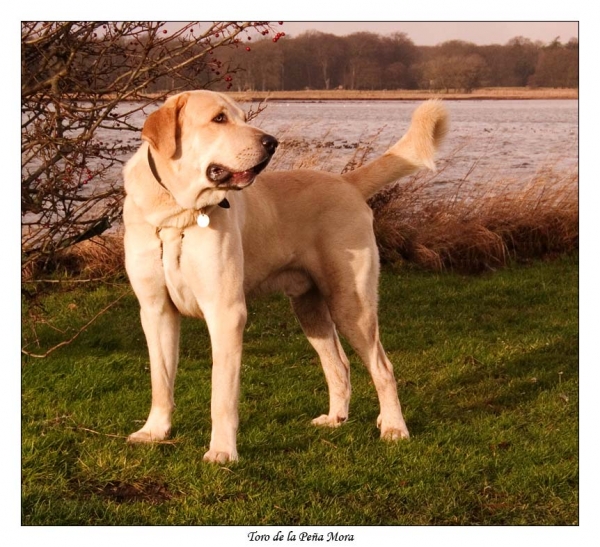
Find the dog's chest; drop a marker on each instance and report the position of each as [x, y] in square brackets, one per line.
[178, 271]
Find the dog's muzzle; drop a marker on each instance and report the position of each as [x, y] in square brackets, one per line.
[221, 175]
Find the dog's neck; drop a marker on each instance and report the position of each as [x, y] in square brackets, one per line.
[223, 203]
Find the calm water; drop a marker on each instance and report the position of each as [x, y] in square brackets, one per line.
[502, 139]
[488, 140]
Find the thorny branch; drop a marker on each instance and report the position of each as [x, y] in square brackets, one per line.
[82, 85]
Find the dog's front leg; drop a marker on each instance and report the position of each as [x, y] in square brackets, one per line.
[226, 326]
[161, 324]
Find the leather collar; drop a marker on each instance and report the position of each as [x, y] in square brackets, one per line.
[224, 203]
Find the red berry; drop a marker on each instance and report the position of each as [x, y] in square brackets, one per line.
[247, 49]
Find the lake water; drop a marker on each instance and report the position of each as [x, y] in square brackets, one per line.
[489, 141]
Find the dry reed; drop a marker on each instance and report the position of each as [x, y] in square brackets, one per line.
[473, 230]
[99, 258]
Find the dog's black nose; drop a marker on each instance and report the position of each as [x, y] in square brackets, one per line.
[270, 143]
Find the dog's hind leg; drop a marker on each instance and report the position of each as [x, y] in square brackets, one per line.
[353, 308]
[360, 328]
[316, 322]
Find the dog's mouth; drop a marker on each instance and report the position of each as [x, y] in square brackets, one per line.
[222, 176]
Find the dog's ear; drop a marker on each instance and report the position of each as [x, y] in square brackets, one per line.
[162, 126]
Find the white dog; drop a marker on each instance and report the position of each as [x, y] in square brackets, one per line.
[198, 239]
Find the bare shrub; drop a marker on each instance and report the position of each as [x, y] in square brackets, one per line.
[82, 83]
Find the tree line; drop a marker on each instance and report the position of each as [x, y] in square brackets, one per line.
[368, 61]
[312, 60]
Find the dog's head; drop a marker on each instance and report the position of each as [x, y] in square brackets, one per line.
[203, 146]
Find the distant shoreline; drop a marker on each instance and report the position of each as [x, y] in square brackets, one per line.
[492, 93]
[482, 94]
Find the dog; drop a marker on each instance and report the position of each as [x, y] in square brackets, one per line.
[205, 228]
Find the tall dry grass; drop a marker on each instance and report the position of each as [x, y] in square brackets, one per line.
[99, 258]
[473, 228]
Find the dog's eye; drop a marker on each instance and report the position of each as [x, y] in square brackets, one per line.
[220, 118]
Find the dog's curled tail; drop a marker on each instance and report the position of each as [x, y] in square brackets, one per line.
[415, 150]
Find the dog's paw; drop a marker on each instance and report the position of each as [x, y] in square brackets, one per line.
[214, 456]
[393, 432]
[148, 436]
[329, 421]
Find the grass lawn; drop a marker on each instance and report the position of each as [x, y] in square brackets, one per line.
[487, 370]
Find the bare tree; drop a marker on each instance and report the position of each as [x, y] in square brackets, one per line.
[557, 65]
[83, 83]
[363, 69]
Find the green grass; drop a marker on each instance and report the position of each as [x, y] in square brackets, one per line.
[487, 370]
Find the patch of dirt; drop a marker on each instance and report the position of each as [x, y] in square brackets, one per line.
[147, 491]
